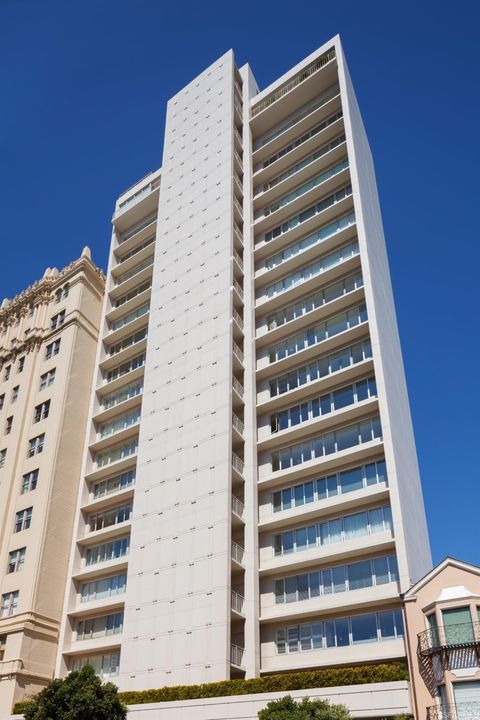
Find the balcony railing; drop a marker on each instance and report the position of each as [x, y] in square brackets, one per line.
[238, 352]
[238, 424]
[238, 136]
[237, 464]
[146, 190]
[237, 386]
[323, 60]
[238, 234]
[238, 258]
[238, 206]
[237, 552]
[238, 318]
[237, 506]
[236, 655]
[448, 637]
[238, 287]
[460, 711]
[237, 602]
[238, 157]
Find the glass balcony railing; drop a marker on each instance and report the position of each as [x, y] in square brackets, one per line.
[306, 187]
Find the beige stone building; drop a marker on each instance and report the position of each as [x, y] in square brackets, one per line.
[48, 340]
[443, 639]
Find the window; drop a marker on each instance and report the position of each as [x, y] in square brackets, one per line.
[31, 310]
[2, 401]
[341, 529]
[41, 411]
[458, 625]
[23, 520]
[47, 379]
[57, 320]
[354, 630]
[327, 444]
[16, 560]
[119, 452]
[106, 587]
[317, 334]
[126, 367]
[15, 392]
[3, 457]
[107, 551]
[9, 603]
[128, 341]
[35, 445]
[3, 643]
[122, 395]
[65, 291]
[6, 372]
[309, 213]
[324, 404]
[103, 665]
[52, 349]
[337, 579]
[120, 423]
[8, 425]
[112, 485]
[21, 364]
[110, 517]
[92, 628]
[29, 482]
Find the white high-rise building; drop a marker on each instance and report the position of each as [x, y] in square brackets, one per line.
[251, 500]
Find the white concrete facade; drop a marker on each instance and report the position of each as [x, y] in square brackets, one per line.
[277, 508]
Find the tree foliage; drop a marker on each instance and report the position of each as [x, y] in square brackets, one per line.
[80, 696]
[287, 708]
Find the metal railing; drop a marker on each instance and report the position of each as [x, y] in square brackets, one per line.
[238, 318]
[237, 506]
[238, 108]
[238, 183]
[237, 602]
[443, 637]
[236, 655]
[238, 352]
[460, 711]
[238, 206]
[237, 386]
[238, 157]
[310, 70]
[238, 258]
[238, 287]
[237, 552]
[238, 233]
[137, 228]
[238, 136]
[238, 464]
[237, 424]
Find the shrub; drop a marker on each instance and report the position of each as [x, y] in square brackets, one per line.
[287, 708]
[80, 696]
[324, 677]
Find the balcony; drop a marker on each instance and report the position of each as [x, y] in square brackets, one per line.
[461, 711]
[236, 655]
[238, 465]
[237, 553]
[238, 259]
[238, 425]
[301, 77]
[238, 208]
[237, 507]
[237, 602]
[238, 357]
[442, 639]
[238, 288]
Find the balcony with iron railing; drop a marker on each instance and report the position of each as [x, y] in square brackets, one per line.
[238, 424]
[237, 602]
[238, 464]
[448, 637]
[237, 352]
[297, 80]
[237, 507]
[460, 711]
[236, 655]
[237, 552]
[238, 387]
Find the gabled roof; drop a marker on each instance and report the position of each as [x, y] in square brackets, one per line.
[448, 561]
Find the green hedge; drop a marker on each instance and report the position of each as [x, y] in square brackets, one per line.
[20, 707]
[325, 677]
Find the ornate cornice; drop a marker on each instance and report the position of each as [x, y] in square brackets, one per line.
[41, 290]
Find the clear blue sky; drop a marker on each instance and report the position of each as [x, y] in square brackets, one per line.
[83, 92]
